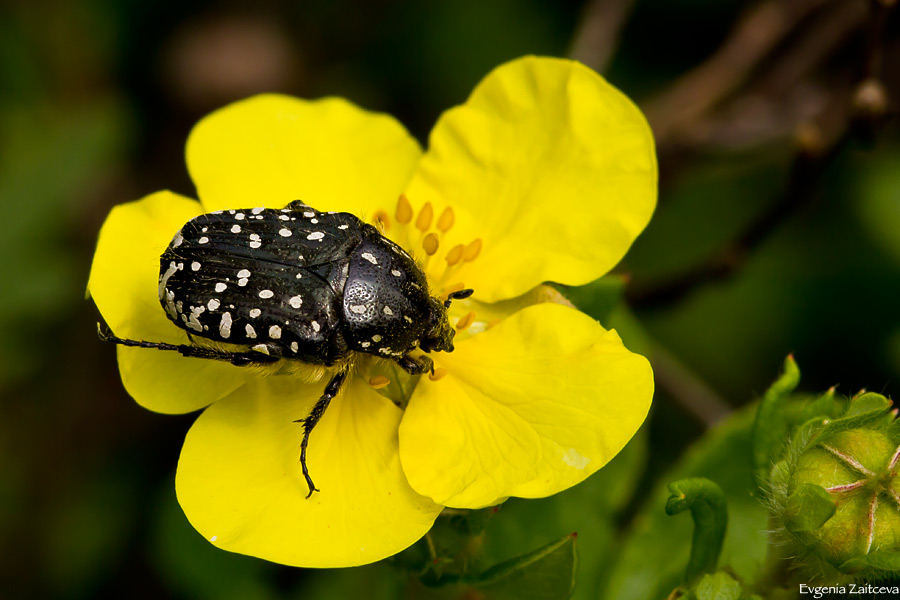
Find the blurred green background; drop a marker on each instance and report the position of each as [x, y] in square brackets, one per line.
[778, 231]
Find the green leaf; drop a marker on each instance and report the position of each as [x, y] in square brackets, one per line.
[708, 508]
[545, 574]
[808, 508]
[717, 586]
[863, 410]
[884, 561]
[770, 425]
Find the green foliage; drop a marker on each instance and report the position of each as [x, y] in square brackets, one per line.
[707, 504]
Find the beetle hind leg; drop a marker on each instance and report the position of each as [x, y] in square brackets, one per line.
[416, 366]
[310, 421]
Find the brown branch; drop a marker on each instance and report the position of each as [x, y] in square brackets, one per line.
[597, 37]
[760, 30]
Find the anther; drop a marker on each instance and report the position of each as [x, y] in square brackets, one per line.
[379, 381]
[430, 244]
[423, 221]
[382, 218]
[455, 255]
[472, 251]
[404, 211]
[446, 220]
[465, 321]
[439, 373]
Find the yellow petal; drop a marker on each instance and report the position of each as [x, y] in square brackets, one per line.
[123, 284]
[240, 484]
[550, 165]
[270, 150]
[529, 408]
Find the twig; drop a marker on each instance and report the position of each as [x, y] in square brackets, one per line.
[597, 37]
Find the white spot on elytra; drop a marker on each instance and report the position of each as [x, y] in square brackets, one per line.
[239, 216]
[255, 312]
[266, 293]
[294, 347]
[261, 348]
[204, 229]
[315, 235]
[283, 218]
[285, 232]
[235, 229]
[296, 301]
[251, 333]
[257, 210]
[365, 344]
[255, 244]
[574, 459]
[242, 281]
[370, 257]
[254, 237]
[275, 332]
[407, 319]
[299, 275]
[195, 266]
[243, 273]
[315, 326]
[177, 240]
[213, 304]
[203, 240]
[343, 226]
[358, 308]
[309, 214]
[395, 272]
[313, 220]
[388, 311]
[221, 287]
[225, 325]
[376, 338]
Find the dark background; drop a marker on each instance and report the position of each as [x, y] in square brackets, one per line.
[777, 231]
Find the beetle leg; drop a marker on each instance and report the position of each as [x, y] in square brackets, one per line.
[240, 359]
[331, 390]
[416, 366]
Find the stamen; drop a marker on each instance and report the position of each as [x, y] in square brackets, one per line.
[446, 221]
[379, 381]
[455, 255]
[404, 213]
[381, 217]
[453, 288]
[465, 321]
[472, 251]
[426, 215]
[439, 373]
[430, 244]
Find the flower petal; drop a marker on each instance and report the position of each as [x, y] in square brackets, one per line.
[550, 165]
[529, 408]
[240, 484]
[270, 150]
[123, 284]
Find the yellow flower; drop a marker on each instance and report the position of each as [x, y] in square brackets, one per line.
[546, 173]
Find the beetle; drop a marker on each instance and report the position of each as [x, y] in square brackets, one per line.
[257, 286]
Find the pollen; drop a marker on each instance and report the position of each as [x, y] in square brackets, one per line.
[426, 215]
[446, 220]
[404, 212]
[430, 244]
[465, 321]
[438, 374]
[472, 251]
[379, 381]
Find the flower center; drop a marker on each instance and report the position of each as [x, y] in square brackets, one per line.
[426, 238]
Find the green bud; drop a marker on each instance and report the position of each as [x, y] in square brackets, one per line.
[852, 474]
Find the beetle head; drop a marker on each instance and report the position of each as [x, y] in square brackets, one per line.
[440, 336]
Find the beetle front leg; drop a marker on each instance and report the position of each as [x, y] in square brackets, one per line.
[416, 365]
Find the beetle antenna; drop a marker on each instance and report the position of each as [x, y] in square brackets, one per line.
[460, 295]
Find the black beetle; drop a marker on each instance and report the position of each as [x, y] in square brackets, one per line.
[298, 284]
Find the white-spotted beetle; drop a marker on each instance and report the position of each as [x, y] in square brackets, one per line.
[298, 284]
